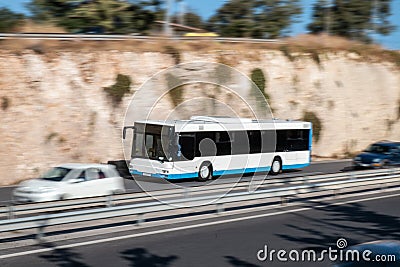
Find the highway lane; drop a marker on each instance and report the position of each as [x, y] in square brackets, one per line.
[141, 184]
[236, 243]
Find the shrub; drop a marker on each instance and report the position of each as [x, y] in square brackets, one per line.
[38, 49]
[50, 137]
[174, 53]
[316, 123]
[5, 103]
[117, 91]
[315, 57]
[398, 109]
[175, 89]
[286, 52]
[258, 77]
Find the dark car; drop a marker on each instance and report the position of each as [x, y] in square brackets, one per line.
[379, 155]
[382, 253]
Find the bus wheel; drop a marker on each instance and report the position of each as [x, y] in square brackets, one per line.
[205, 171]
[276, 166]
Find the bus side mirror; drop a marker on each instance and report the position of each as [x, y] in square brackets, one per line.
[124, 131]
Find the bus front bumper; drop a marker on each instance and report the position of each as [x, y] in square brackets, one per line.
[165, 176]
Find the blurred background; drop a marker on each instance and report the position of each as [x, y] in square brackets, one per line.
[63, 98]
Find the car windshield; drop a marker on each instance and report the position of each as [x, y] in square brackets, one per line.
[55, 174]
[380, 149]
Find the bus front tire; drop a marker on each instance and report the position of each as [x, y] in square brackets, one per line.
[205, 172]
[276, 166]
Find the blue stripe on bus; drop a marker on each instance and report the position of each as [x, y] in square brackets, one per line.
[295, 166]
[222, 172]
[238, 171]
[310, 142]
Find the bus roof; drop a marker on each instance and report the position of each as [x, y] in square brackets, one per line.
[202, 123]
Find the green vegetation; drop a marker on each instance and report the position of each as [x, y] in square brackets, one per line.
[190, 19]
[255, 18]
[107, 15]
[170, 50]
[316, 123]
[287, 53]
[50, 137]
[354, 19]
[118, 90]
[398, 109]
[175, 89]
[260, 81]
[9, 20]
[315, 56]
[5, 103]
[258, 77]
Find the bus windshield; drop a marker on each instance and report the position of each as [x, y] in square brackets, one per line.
[152, 142]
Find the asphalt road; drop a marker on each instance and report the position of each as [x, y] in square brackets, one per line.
[236, 243]
[149, 184]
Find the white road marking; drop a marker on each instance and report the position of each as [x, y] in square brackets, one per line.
[93, 242]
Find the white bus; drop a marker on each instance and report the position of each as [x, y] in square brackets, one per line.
[205, 147]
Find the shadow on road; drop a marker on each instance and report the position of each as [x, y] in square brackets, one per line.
[353, 222]
[64, 258]
[238, 262]
[141, 257]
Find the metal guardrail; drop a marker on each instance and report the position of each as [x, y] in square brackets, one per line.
[240, 199]
[11, 210]
[112, 37]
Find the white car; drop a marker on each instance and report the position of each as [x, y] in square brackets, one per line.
[73, 180]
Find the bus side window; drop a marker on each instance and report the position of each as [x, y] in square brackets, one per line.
[187, 147]
[254, 141]
[268, 138]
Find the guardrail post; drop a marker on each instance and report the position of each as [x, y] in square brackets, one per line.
[336, 192]
[186, 192]
[10, 212]
[109, 201]
[384, 186]
[220, 209]
[284, 200]
[140, 219]
[40, 231]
